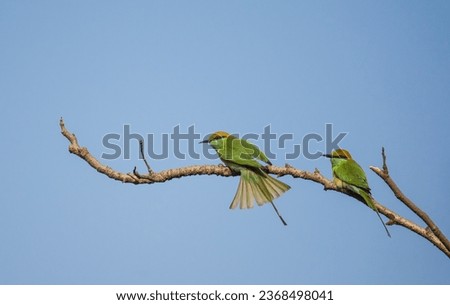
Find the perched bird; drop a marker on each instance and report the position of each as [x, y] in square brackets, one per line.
[255, 184]
[349, 175]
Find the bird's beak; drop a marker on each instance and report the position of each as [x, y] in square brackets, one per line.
[201, 142]
[326, 155]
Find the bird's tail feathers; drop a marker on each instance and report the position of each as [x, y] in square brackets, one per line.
[261, 188]
[367, 198]
[369, 201]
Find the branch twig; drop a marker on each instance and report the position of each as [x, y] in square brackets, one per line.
[432, 233]
[141, 150]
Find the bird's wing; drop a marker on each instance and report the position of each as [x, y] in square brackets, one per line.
[254, 151]
[351, 173]
[241, 152]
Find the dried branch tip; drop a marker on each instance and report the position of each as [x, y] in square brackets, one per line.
[385, 168]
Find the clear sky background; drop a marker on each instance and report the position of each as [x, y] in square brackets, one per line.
[379, 70]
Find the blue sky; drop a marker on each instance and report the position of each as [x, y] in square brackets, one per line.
[378, 70]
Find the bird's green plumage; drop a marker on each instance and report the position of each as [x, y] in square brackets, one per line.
[349, 174]
[236, 152]
[255, 184]
[352, 175]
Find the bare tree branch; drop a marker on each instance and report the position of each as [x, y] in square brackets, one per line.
[431, 233]
[384, 175]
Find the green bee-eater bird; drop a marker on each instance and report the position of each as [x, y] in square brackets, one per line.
[349, 175]
[255, 184]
